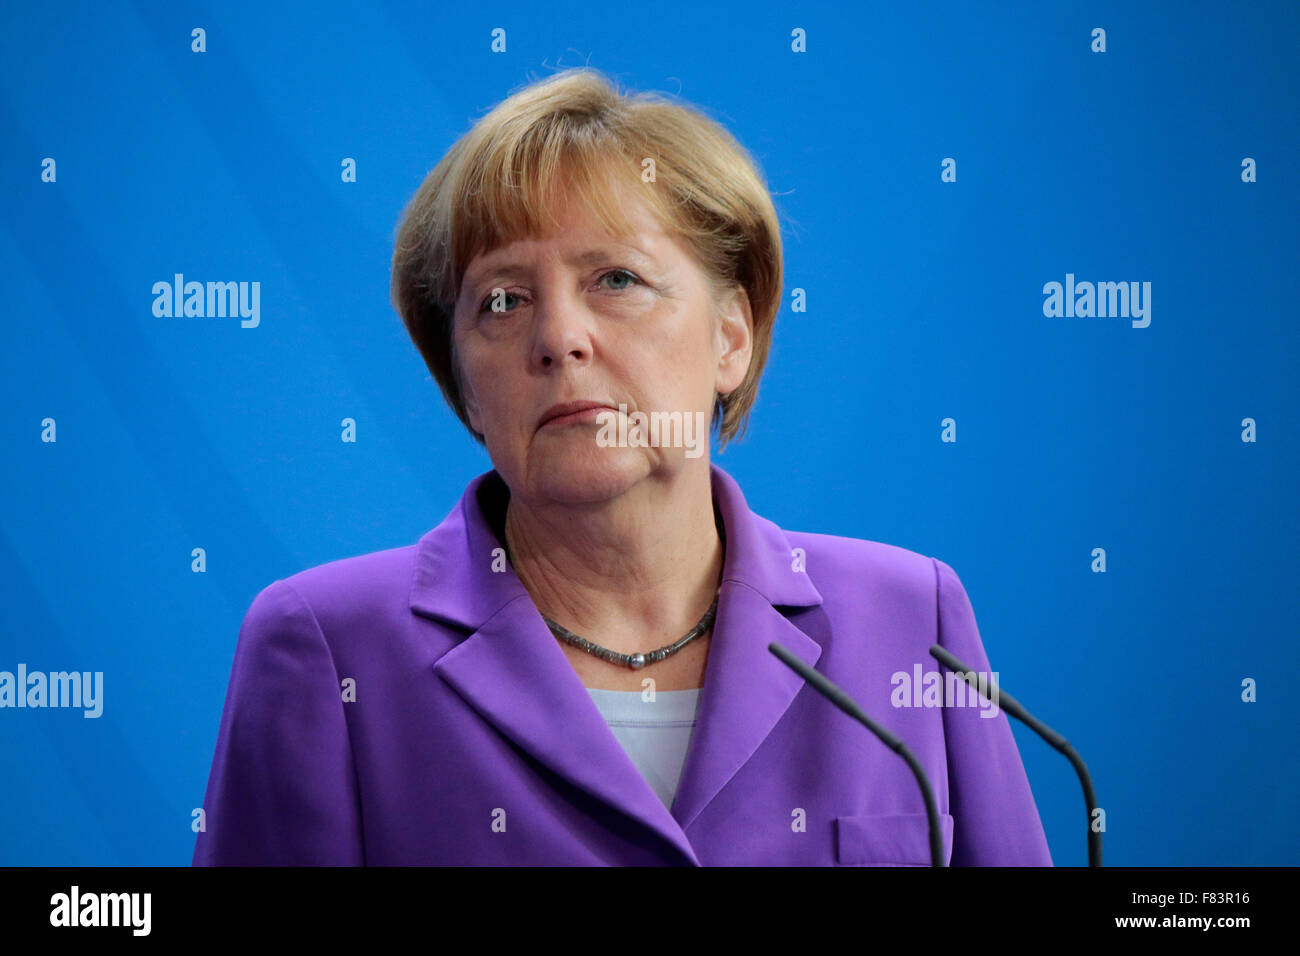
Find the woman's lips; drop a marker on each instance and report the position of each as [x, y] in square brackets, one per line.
[582, 415]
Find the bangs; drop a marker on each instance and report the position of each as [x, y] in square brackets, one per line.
[518, 189]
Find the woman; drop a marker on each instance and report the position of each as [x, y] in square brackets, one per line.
[573, 667]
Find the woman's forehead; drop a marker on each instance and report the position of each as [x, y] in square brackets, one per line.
[580, 240]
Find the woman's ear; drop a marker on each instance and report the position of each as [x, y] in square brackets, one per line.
[735, 340]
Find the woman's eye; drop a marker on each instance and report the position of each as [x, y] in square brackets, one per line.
[626, 281]
[488, 302]
[621, 274]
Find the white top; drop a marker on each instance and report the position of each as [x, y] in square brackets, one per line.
[655, 733]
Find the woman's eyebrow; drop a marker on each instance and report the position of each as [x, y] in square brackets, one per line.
[587, 257]
[600, 254]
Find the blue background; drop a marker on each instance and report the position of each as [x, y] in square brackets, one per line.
[924, 302]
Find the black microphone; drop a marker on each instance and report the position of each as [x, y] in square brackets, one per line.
[1016, 710]
[845, 703]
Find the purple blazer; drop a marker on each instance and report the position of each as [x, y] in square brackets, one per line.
[471, 741]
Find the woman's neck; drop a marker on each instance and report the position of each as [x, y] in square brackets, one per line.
[633, 574]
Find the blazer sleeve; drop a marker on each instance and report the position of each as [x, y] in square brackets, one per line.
[995, 820]
[282, 790]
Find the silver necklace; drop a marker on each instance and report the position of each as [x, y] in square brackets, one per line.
[633, 661]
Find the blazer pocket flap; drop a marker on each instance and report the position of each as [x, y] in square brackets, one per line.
[891, 839]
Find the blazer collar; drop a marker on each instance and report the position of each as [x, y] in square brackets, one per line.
[512, 671]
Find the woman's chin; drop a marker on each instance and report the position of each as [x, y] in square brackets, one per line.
[585, 474]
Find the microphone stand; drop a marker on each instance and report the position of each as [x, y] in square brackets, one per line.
[1015, 709]
[845, 703]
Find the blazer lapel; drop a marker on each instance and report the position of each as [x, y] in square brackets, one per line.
[746, 688]
[746, 691]
[511, 670]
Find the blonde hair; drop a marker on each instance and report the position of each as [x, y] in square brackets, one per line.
[574, 130]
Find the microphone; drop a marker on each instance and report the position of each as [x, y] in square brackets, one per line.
[1015, 709]
[845, 703]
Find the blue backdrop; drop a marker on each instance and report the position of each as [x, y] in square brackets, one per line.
[935, 167]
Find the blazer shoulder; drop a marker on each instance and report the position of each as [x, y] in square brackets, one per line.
[363, 589]
[854, 562]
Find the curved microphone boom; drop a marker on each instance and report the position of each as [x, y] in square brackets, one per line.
[845, 703]
[1016, 710]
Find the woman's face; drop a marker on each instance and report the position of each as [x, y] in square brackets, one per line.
[588, 317]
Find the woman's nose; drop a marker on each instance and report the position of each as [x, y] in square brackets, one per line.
[561, 331]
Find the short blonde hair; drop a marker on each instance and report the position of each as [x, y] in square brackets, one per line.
[574, 130]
